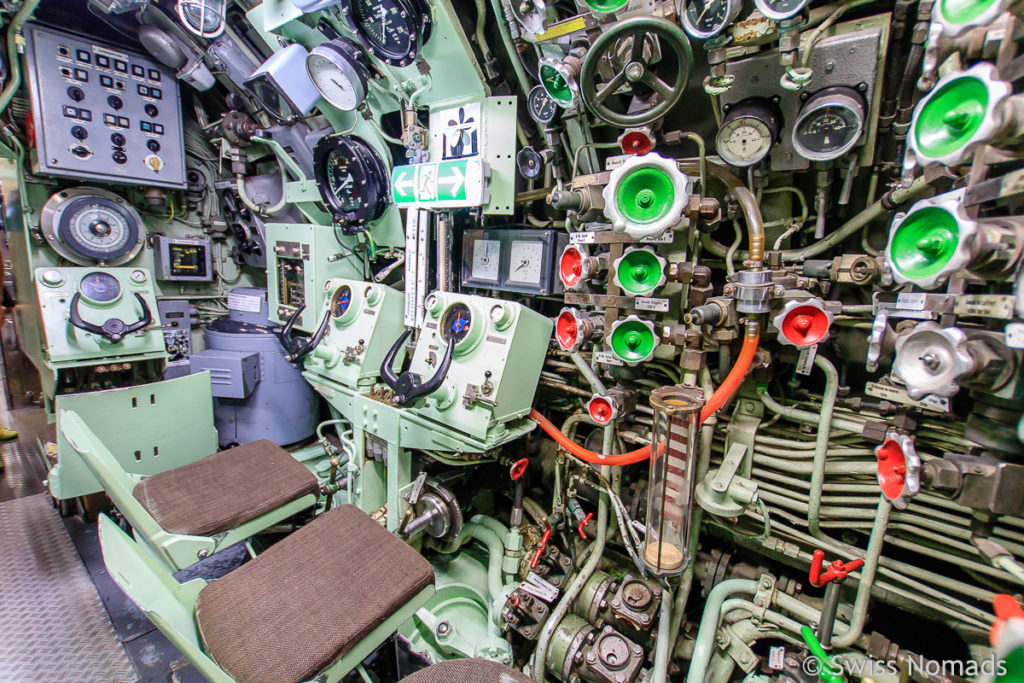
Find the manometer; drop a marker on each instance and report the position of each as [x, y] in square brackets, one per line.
[100, 287]
[340, 301]
[336, 71]
[829, 124]
[707, 18]
[748, 132]
[89, 226]
[353, 181]
[525, 262]
[780, 9]
[393, 30]
[543, 109]
[456, 322]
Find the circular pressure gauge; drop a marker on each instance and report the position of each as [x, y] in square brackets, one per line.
[89, 226]
[780, 9]
[707, 18]
[352, 179]
[340, 301]
[393, 30]
[749, 131]
[336, 71]
[542, 108]
[829, 124]
[455, 324]
[100, 287]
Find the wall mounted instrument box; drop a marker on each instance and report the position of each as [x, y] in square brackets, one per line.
[512, 260]
[182, 259]
[101, 112]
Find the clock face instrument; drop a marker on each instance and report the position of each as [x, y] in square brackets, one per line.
[749, 131]
[830, 124]
[542, 108]
[486, 259]
[780, 9]
[100, 287]
[525, 262]
[707, 18]
[394, 31]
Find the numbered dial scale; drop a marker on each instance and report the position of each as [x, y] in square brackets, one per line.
[512, 259]
[830, 124]
[338, 74]
[707, 18]
[542, 108]
[393, 30]
[353, 181]
[780, 9]
[749, 131]
[340, 301]
[89, 226]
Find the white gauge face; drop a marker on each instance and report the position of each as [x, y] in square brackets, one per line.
[99, 228]
[486, 259]
[524, 262]
[744, 141]
[335, 85]
[780, 9]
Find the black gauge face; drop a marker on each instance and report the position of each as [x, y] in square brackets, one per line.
[781, 7]
[456, 322]
[828, 129]
[352, 179]
[387, 25]
[98, 228]
[340, 301]
[542, 108]
[341, 180]
[707, 16]
[100, 287]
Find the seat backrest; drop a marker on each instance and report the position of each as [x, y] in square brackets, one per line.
[167, 603]
[148, 429]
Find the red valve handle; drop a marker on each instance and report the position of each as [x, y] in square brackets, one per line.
[541, 547]
[518, 469]
[837, 569]
[1006, 608]
[586, 520]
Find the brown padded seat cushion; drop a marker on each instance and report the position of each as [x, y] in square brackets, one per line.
[308, 599]
[223, 491]
[467, 671]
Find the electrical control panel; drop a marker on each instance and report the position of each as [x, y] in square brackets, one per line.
[91, 314]
[499, 350]
[183, 259]
[101, 112]
[300, 260]
[366, 319]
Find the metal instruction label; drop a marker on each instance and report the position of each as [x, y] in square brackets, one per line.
[606, 358]
[911, 301]
[985, 305]
[244, 302]
[643, 303]
[886, 392]
[806, 362]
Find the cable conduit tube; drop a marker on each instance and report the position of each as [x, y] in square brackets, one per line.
[717, 400]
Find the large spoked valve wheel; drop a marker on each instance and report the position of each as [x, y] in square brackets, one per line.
[626, 52]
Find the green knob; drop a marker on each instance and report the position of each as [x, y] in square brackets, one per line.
[606, 5]
[639, 272]
[950, 117]
[556, 86]
[924, 243]
[633, 341]
[645, 195]
[964, 11]
[827, 670]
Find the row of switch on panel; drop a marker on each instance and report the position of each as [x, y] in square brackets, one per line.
[105, 62]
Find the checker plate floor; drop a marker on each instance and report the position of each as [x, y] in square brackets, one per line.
[52, 625]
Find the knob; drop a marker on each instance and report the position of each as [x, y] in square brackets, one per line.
[803, 323]
[76, 93]
[79, 132]
[115, 102]
[933, 360]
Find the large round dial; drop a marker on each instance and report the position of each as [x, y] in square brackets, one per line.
[455, 324]
[393, 30]
[708, 18]
[353, 181]
[830, 124]
[780, 9]
[543, 109]
[340, 301]
[336, 72]
[100, 287]
[90, 226]
[748, 133]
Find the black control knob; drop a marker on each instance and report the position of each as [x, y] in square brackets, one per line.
[79, 132]
[153, 146]
[117, 139]
[151, 110]
[119, 157]
[76, 93]
[81, 151]
[115, 102]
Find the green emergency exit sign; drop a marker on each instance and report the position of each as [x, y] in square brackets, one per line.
[441, 184]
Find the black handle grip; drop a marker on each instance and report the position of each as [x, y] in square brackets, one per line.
[409, 386]
[300, 348]
[113, 329]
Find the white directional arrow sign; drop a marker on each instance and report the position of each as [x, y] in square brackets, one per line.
[444, 184]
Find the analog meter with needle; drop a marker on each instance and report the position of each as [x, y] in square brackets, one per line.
[707, 18]
[542, 108]
[337, 72]
[525, 262]
[486, 260]
[352, 179]
[749, 131]
[456, 323]
[778, 10]
[830, 124]
[393, 30]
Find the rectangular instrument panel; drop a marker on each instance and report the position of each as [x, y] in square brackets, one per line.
[102, 113]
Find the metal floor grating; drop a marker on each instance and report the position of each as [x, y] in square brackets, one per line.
[23, 472]
[54, 627]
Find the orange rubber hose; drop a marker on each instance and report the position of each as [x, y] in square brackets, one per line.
[728, 388]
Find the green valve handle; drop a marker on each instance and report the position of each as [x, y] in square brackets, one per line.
[827, 670]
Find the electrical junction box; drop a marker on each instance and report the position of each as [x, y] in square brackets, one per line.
[233, 374]
[102, 294]
[182, 259]
[499, 352]
[101, 112]
[513, 260]
[366, 320]
[301, 258]
[471, 163]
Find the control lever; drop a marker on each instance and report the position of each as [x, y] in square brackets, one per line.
[299, 348]
[409, 386]
[113, 329]
[831, 578]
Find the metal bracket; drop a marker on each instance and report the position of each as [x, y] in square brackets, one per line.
[737, 649]
[743, 429]
[764, 595]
